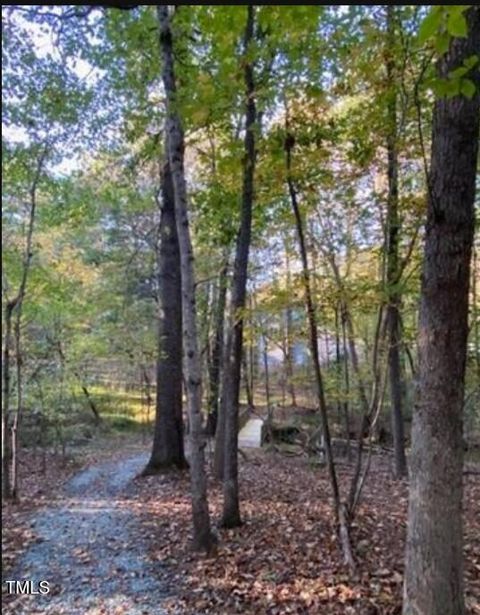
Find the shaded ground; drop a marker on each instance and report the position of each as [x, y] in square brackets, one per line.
[285, 558]
[88, 549]
[110, 545]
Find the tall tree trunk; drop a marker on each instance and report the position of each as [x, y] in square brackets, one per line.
[342, 405]
[340, 509]
[246, 381]
[266, 374]
[168, 445]
[217, 350]
[207, 309]
[220, 443]
[267, 387]
[475, 313]
[231, 507]
[289, 359]
[6, 396]
[393, 264]
[434, 553]
[346, 372]
[252, 354]
[203, 538]
[312, 322]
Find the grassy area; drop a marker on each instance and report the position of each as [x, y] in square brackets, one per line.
[122, 411]
[119, 406]
[73, 422]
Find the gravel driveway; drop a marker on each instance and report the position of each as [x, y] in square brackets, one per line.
[87, 552]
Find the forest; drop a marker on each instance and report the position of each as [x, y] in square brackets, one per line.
[240, 309]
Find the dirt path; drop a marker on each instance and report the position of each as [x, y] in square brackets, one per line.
[88, 552]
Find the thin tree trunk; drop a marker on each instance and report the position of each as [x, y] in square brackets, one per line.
[327, 350]
[312, 323]
[434, 552]
[368, 408]
[266, 371]
[231, 507]
[207, 303]
[248, 390]
[339, 507]
[203, 538]
[288, 335]
[346, 404]
[342, 404]
[475, 313]
[217, 350]
[57, 345]
[220, 443]
[251, 352]
[282, 376]
[338, 361]
[148, 395]
[14, 306]
[289, 359]
[267, 387]
[15, 486]
[91, 403]
[219, 453]
[6, 432]
[392, 256]
[168, 445]
[371, 408]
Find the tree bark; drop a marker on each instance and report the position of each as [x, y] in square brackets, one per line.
[343, 411]
[289, 359]
[434, 553]
[393, 262]
[231, 507]
[246, 381]
[203, 538]
[267, 382]
[217, 351]
[475, 313]
[168, 446]
[219, 456]
[252, 353]
[6, 388]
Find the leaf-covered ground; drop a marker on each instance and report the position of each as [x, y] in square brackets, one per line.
[41, 479]
[284, 559]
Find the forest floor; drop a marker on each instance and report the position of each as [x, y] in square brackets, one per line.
[82, 538]
[112, 545]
